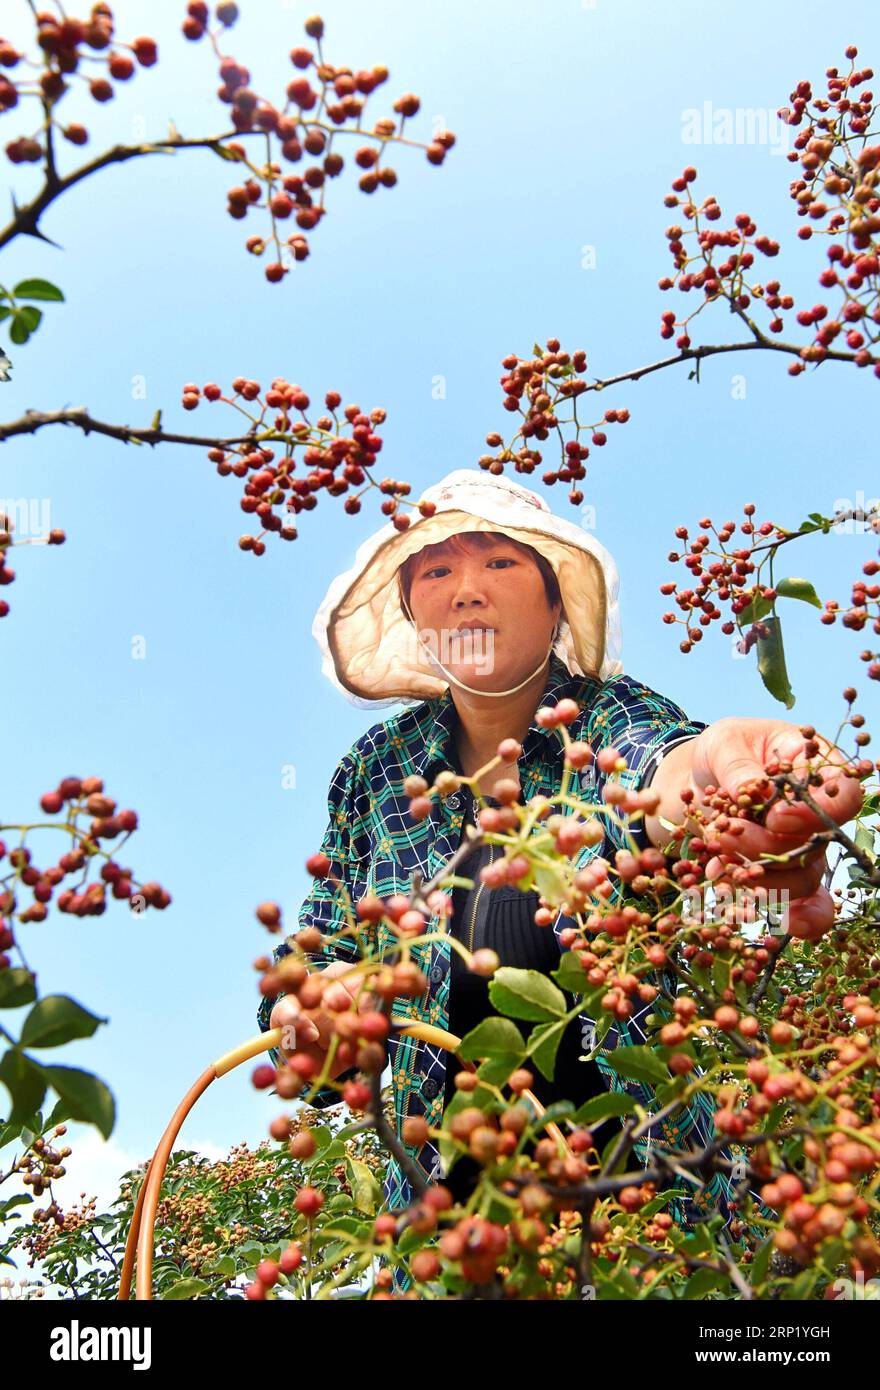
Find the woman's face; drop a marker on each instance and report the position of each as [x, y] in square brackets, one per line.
[481, 607]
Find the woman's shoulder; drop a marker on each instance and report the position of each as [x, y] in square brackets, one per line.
[383, 741]
[623, 700]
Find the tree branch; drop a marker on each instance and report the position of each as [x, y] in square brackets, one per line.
[27, 217]
[78, 415]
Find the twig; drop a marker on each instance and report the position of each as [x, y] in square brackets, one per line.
[386, 1136]
[79, 416]
[26, 219]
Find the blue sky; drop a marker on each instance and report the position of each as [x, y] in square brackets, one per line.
[570, 128]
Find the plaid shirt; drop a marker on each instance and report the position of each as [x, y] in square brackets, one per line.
[374, 847]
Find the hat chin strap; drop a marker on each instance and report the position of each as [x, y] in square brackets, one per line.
[461, 685]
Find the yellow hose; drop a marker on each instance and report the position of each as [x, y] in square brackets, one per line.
[141, 1235]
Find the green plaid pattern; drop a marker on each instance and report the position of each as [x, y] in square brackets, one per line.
[374, 847]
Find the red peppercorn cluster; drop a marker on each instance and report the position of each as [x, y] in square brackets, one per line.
[338, 452]
[864, 608]
[66, 46]
[7, 575]
[734, 577]
[338, 96]
[729, 576]
[84, 797]
[536, 388]
[726, 278]
[838, 193]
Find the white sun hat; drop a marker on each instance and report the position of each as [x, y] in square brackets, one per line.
[367, 641]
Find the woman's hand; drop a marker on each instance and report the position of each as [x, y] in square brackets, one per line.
[300, 1033]
[733, 751]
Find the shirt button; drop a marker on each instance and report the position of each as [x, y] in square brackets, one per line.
[430, 1087]
[452, 801]
[436, 974]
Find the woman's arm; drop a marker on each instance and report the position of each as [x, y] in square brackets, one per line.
[324, 907]
[645, 727]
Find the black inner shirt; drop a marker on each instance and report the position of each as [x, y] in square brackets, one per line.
[503, 920]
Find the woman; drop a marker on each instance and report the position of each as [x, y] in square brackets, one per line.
[473, 618]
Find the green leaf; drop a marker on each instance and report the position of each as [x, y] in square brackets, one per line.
[699, 1241]
[550, 882]
[365, 1190]
[497, 1070]
[758, 608]
[25, 1081]
[24, 322]
[20, 1199]
[801, 1287]
[525, 994]
[16, 988]
[19, 329]
[8, 1133]
[771, 663]
[491, 1037]
[720, 974]
[657, 1203]
[870, 805]
[761, 1263]
[411, 1240]
[570, 975]
[250, 1252]
[37, 289]
[85, 1095]
[798, 588]
[622, 1286]
[559, 1110]
[4, 312]
[544, 1044]
[668, 1090]
[599, 1108]
[638, 1064]
[702, 1281]
[323, 1137]
[347, 1226]
[59, 1114]
[56, 1019]
[332, 1154]
[186, 1288]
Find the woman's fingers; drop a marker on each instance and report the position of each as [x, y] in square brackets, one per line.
[809, 918]
[337, 996]
[298, 1029]
[797, 882]
[753, 841]
[305, 1034]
